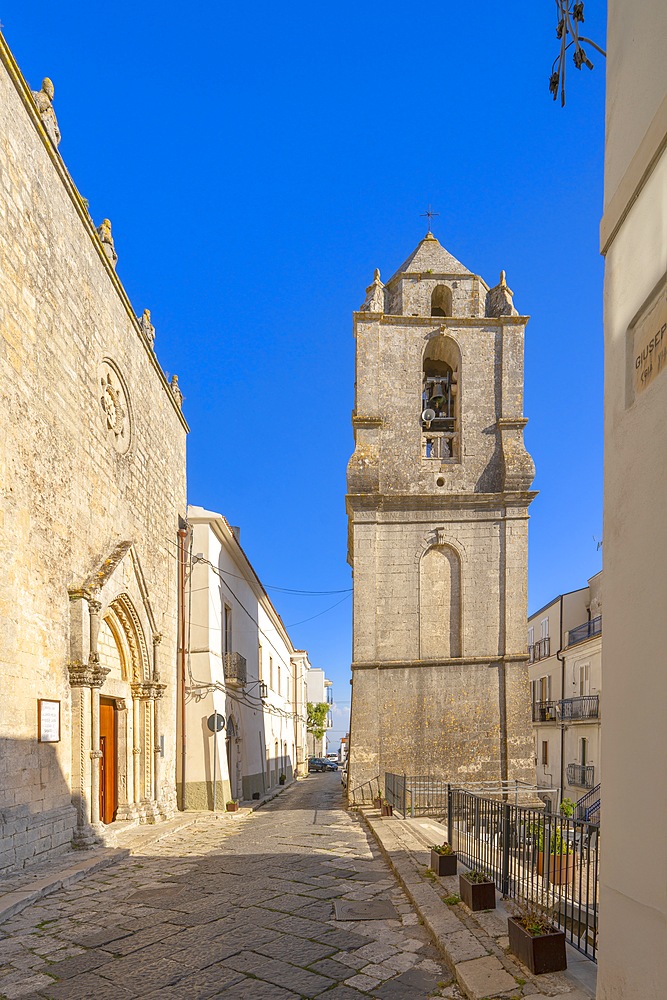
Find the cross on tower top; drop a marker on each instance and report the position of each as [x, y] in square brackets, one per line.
[430, 215]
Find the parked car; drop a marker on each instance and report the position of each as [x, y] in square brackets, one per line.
[333, 757]
[317, 764]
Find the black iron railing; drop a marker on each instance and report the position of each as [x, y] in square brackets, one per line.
[581, 775]
[588, 806]
[235, 669]
[539, 650]
[529, 853]
[585, 631]
[586, 707]
[364, 793]
[545, 711]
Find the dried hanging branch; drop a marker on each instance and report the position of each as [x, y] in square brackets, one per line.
[570, 16]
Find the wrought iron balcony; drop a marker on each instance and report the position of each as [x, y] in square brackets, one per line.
[539, 650]
[581, 775]
[585, 631]
[587, 707]
[235, 670]
[545, 711]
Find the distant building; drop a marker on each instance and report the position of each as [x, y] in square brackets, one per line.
[241, 664]
[565, 666]
[438, 496]
[320, 691]
[633, 231]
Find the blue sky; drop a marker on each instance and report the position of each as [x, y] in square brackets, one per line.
[258, 161]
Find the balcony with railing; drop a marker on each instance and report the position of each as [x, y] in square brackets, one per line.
[545, 711]
[585, 631]
[581, 775]
[235, 670]
[539, 650]
[587, 707]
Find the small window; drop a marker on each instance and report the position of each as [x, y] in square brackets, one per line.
[584, 680]
[278, 680]
[260, 665]
[227, 629]
[531, 636]
[583, 752]
[271, 672]
[545, 753]
[544, 628]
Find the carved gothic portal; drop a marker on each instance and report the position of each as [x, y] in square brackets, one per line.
[116, 697]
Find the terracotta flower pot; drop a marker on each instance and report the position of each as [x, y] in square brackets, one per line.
[443, 864]
[232, 807]
[377, 802]
[386, 809]
[477, 895]
[542, 953]
[560, 867]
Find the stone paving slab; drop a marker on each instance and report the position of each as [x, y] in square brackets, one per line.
[239, 910]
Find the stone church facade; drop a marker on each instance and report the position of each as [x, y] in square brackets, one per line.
[92, 464]
[438, 497]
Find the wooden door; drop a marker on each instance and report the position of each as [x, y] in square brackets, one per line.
[108, 777]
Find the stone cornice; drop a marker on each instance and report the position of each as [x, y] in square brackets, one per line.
[443, 324]
[512, 423]
[490, 661]
[25, 94]
[359, 421]
[494, 503]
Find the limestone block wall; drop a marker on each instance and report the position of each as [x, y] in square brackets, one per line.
[73, 486]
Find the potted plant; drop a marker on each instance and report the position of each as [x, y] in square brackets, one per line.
[477, 890]
[385, 808]
[556, 865]
[282, 779]
[443, 859]
[232, 806]
[535, 940]
[377, 801]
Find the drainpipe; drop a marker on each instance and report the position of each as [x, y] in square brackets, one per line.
[561, 660]
[182, 538]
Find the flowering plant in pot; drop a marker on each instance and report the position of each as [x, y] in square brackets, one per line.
[443, 859]
[477, 890]
[386, 809]
[534, 938]
[282, 778]
[232, 806]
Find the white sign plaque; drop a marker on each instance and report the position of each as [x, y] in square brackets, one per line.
[649, 343]
[48, 716]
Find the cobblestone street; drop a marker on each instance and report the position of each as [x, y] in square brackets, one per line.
[236, 909]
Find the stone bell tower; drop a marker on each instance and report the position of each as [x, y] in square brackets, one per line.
[438, 496]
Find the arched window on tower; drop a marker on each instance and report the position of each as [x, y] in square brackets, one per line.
[441, 301]
[440, 401]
